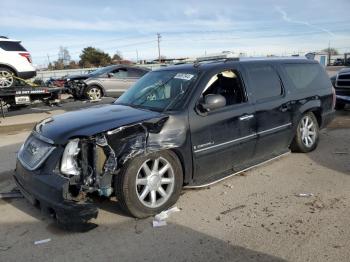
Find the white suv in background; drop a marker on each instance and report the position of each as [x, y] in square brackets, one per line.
[15, 60]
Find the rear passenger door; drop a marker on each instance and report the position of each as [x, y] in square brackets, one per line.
[272, 109]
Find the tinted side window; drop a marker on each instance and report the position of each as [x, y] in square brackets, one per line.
[12, 46]
[264, 81]
[120, 73]
[136, 72]
[305, 76]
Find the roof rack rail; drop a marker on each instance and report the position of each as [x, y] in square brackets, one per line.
[198, 61]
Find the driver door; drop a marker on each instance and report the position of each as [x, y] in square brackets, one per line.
[118, 82]
[223, 139]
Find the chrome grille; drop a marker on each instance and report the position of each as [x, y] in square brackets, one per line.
[34, 152]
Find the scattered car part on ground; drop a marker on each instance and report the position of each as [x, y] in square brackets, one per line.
[15, 61]
[341, 83]
[189, 125]
[107, 81]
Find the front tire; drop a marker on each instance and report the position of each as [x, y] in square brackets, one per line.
[6, 78]
[307, 134]
[93, 93]
[149, 184]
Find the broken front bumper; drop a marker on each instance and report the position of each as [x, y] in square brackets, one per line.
[48, 191]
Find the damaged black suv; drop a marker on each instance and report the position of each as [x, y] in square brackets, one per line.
[186, 125]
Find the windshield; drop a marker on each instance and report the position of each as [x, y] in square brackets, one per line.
[159, 90]
[100, 71]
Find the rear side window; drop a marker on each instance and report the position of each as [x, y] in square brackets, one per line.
[12, 46]
[264, 81]
[305, 76]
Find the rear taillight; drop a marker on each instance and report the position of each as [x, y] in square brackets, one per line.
[334, 97]
[27, 56]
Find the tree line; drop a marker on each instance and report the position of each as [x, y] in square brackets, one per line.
[89, 57]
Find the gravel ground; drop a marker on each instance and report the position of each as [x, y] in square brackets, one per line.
[256, 216]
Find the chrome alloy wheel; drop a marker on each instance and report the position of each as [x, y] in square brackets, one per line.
[6, 79]
[155, 182]
[308, 131]
[94, 93]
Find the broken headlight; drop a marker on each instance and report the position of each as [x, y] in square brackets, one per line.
[69, 163]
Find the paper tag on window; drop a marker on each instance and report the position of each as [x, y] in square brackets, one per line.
[182, 76]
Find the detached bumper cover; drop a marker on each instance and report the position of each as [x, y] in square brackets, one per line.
[49, 191]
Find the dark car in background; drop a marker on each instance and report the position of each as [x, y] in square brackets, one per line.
[107, 81]
[341, 83]
[186, 125]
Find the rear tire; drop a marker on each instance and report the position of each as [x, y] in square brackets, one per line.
[307, 134]
[6, 77]
[135, 190]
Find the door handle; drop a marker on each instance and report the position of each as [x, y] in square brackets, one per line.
[246, 117]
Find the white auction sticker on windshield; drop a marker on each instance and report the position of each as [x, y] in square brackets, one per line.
[184, 76]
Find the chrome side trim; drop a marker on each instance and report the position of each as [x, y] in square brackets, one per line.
[275, 128]
[244, 170]
[225, 143]
[244, 137]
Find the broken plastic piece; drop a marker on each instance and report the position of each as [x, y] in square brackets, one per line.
[305, 195]
[43, 241]
[157, 223]
[166, 213]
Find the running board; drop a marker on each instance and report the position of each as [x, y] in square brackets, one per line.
[237, 173]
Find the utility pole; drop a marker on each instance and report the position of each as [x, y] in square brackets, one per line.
[137, 56]
[48, 59]
[158, 39]
[329, 53]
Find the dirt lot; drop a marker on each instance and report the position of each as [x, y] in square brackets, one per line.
[256, 216]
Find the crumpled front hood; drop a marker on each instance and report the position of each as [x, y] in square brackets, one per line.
[91, 121]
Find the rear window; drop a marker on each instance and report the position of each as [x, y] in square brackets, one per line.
[306, 76]
[265, 81]
[12, 46]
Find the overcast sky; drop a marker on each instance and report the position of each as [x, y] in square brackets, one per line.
[188, 28]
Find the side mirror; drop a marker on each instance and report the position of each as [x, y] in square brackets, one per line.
[109, 75]
[212, 102]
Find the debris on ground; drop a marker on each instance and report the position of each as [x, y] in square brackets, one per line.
[160, 223]
[14, 193]
[304, 195]
[341, 153]
[232, 209]
[160, 219]
[43, 241]
[228, 185]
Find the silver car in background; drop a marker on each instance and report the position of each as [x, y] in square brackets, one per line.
[107, 81]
